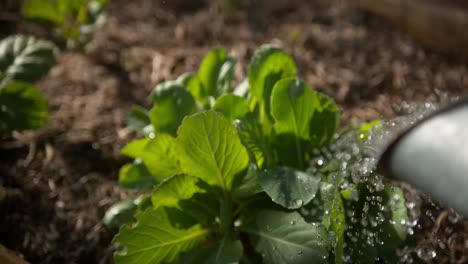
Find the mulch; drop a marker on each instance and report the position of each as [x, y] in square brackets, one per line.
[57, 182]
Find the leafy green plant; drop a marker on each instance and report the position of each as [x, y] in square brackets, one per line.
[72, 19]
[23, 60]
[259, 174]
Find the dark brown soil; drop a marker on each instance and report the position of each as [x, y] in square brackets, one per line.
[57, 182]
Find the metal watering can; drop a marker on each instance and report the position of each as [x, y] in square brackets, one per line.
[432, 155]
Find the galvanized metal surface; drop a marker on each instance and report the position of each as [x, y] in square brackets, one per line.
[433, 156]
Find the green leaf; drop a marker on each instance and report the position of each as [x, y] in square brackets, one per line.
[120, 213]
[226, 75]
[172, 103]
[304, 119]
[194, 86]
[378, 230]
[155, 239]
[338, 225]
[22, 106]
[158, 155]
[231, 106]
[44, 10]
[247, 185]
[333, 217]
[136, 176]
[135, 149]
[269, 65]
[176, 188]
[251, 135]
[209, 148]
[186, 194]
[26, 58]
[210, 69]
[284, 237]
[139, 119]
[289, 188]
[300, 111]
[227, 251]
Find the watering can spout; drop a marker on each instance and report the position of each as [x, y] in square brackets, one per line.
[432, 155]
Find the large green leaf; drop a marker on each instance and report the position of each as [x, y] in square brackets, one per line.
[26, 58]
[209, 148]
[269, 65]
[289, 188]
[231, 106]
[210, 69]
[172, 103]
[22, 106]
[136, 176]
[157, 238]
[185, 193]
[284, 237]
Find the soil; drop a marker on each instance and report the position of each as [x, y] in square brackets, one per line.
[57, 182]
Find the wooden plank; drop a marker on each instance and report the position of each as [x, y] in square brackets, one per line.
[439, 26]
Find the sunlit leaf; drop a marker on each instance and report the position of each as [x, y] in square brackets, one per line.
[157, 238]
[44, 10]
[231, 106]
[210, 69]
[209, 148]
[158, 155]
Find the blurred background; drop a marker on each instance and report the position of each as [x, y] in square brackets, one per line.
[376, 58]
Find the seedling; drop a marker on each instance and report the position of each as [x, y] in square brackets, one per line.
[258, 174]
[23, 60]
[73, 20]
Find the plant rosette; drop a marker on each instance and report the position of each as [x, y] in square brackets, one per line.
[256, 174]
